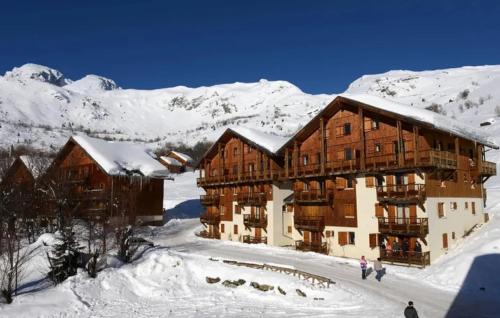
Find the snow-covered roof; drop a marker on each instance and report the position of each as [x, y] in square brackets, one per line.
[271, 143]
[183, 156]
[438, 121]
[171, 161]
[120, 158]
[36, 165]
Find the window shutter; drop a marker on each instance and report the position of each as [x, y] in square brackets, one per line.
[339, 130]
[445, 240]
[373, 240]
[413, 213]
[473, 206]
[368, 124]
[222, 227]
[342, 238]
[341, 183]
[392, 211]
[289, 229]
[370, 182]
[411, 178]
[440, 209]
[390, 180]
[235, 229]
[379, 210]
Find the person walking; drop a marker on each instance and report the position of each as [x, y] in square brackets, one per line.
[410, 311]
[363, 263]
[377, 266]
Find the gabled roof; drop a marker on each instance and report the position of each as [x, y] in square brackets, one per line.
[270, 144]
[181, 155]
[120, 158]
[171, 161]
[423, 117]
[36, 165]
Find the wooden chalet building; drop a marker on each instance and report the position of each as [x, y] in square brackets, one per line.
[372, 177]
[244, 192]
[177, 162]
[108, 180]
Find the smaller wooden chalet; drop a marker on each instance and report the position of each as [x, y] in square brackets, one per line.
[177, 162]
[24, 171]
[111, 180]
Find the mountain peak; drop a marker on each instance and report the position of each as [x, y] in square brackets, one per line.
[31, 71]
[92, 84]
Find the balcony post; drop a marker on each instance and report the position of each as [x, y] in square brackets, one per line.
[362, 159]
[219, 162]
[240, 160]
[322, 144]
[416, 146]
[286, 162]
[296, 159]
[400, 144]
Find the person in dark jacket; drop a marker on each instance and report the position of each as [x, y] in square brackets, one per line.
[410, 311]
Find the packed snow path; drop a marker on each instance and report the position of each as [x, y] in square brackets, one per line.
[387, 298]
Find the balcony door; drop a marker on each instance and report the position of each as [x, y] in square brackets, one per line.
[258, 232]
[402, 214]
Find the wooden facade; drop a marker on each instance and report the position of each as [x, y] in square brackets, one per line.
[93, 193]
[403, 159]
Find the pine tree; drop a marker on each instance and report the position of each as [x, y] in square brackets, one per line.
[63, 259]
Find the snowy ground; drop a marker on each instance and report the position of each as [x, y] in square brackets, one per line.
[169, 280]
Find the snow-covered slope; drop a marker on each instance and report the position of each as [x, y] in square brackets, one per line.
[39, 106]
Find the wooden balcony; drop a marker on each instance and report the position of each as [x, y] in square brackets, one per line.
[254, 239]
[210, 199]
[342, 166]
[243, 178]
[401, 194]
[318, 247]
[309, 223]
[421, 259]
[430, 158]
[252, 220]
[488, 168]
[309, 170]
[209, 235]
[440, 159]
[313, 196]
[418, 227]
[252, 198]
[209, 218]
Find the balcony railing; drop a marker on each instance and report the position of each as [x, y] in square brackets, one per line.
[210, 218]
[209, 235]
[309, 169]
[404, 226]
[488, 168]
[318, 247]
[254, 239]
[210, 199]
[339, 166]
[251, 198]
[429, 158]
[403, 193]
[409, 257]
[309, 223]
[313, 196]
[245, 176]
[253, 220]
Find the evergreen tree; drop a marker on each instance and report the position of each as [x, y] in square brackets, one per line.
[63, 259]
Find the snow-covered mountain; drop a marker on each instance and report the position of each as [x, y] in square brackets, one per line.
[40, 106]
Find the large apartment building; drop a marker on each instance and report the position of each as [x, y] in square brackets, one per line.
[366, 176]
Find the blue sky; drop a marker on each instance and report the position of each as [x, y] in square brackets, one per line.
[320, 46]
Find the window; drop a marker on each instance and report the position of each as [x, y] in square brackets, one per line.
[352, 238]
[305, 160]
[289, 229]
[235, 229]
[473, 207]
[222, 228]
[452, 235]
[445, 240]
[328, 234]
[440, 209]
[375, 124]
[349, 211]
[378, 147]
[347, 129]
[340, 183]
[453, 205]
[318, 158]
[235, 151]
[379, 180]
[342, 238]
[350, 182]
[306, 187]
[222, 210]
[373, 240]
[347, 153]
[237, 209]
[466, 205]
[249, 149]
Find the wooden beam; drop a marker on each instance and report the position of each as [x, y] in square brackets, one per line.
[240, 160]
[286, 162]
[457, 149]
[296, 159]
[362, 147]
[400, 143]
[322, 144]
[416, 146]
[219, 161]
